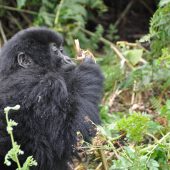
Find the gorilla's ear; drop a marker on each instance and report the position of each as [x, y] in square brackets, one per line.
[24, 60]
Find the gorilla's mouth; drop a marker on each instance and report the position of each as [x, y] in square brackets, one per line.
[67, 60]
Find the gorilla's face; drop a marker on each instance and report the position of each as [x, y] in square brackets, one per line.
[35, 47]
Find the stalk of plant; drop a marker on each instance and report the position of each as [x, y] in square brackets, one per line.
[15, 151]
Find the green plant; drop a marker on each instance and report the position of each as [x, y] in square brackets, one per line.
[131, 159]
[135, 126]
[15, 151]
[165, 111]
[159, 29]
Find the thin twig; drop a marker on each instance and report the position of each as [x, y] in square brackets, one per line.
[159, 142]
[23, 14]
[15, 21]
[58, 12]
[113, 96]
[2, 33]
[127, 43]
[23, 10]
[114, 153]
[8, 32]
[151, 148]
[104, 161]
[133, 93]
[146, 6]
[113, 46]
[18, 10]
[26, 18]
[150, 135]
[124, 13]
[123, 59]
[134, 45]
[101, 38]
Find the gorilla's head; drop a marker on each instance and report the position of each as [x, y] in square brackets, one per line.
[35, 47]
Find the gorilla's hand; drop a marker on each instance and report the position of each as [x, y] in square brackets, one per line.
[88, 60]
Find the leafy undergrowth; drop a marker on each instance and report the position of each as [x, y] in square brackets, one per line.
[136, 141]
[135, 111]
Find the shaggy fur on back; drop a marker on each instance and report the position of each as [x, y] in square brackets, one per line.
[56, 101]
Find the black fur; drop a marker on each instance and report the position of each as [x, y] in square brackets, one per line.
[56, 99]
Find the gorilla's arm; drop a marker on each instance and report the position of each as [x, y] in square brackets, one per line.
[87, 84]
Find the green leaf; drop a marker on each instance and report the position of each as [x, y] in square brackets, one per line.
[21, 3]
[168, 104]
[152, 164]
[28, 163]
[130, 152]
[121, 163]
[163, 2]
[135, 126]
[154, 127]
[44, 14]
[134, 56]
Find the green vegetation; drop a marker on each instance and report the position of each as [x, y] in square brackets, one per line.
[135, 110]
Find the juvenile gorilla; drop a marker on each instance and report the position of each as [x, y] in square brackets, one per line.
[57, 97]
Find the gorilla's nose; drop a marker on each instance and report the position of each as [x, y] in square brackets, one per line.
[67, 60]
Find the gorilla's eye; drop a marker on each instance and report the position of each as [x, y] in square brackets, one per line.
[61, 49]
[54, 47]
